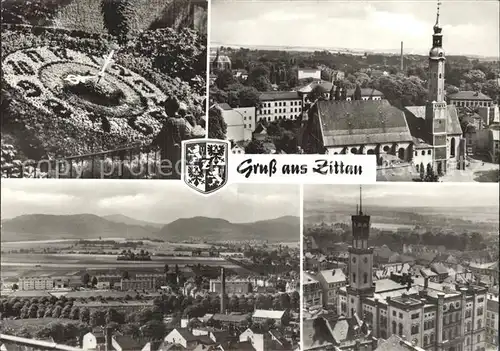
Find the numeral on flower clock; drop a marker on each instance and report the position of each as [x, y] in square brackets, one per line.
[121, 71]
[61, 53]
[139, 126]
[34, 56]
[144, 87]
[30, 88]
[58, 108]
[21, 67]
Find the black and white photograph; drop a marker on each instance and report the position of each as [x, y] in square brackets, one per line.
[415, 83]
[101, 88]
[401, 267]
[132, 267]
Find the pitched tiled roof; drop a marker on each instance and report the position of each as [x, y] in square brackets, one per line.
[415, 117]
[316, 334]
[395, 343]
[128, 344]
[225, 106]
[279, 95]
[361, 122]
[469, 95]
[333, 275]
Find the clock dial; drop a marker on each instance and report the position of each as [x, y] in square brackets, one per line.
[65, 83]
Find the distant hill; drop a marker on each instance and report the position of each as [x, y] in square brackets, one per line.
[89, 226]
[283, 229]
[118, 218]
[80, 226]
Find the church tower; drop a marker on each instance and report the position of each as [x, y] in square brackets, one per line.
[360, 280]
[436, 110]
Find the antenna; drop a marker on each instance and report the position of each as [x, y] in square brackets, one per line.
[360, 200]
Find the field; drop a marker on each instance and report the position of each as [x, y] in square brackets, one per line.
[33, 324]
[14, 265]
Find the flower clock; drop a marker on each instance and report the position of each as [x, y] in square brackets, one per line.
[93, 93]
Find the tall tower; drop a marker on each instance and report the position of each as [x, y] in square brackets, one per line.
[360, 261]
[402, 59]
[436, 109]
[222, 291]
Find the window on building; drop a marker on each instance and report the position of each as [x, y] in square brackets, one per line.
[415, 329]
[400, 315]
[432, 337]
[480, 311]
[354, 277]
[479, 324]
[365, 278]
[400, 329]
[394, 313]
[426, 340]
[479, 338]
[393, 327]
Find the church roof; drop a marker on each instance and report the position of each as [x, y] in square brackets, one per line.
[361, 122]
[279, 95]
[415, 117]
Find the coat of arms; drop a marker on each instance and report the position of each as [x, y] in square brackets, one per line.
[204, 164]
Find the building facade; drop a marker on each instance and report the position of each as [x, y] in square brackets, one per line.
[331, 281]
[235, 286]
[138, 284]
[470, 99]
[312, 294]
[36, 283]
[279, 105]
[492, 321]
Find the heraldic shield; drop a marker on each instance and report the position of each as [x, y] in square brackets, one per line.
[204, 164]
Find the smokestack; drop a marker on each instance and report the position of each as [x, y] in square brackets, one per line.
[402, 59]
[107, 339]
[222, 291]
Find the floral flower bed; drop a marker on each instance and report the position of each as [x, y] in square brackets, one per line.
[53, 118]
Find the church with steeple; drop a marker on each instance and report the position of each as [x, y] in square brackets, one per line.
[428, 136]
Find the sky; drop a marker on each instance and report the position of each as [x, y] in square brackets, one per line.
[405, 195]
[469, 27]
[157, 201]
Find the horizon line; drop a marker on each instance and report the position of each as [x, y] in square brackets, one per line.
[395, 52]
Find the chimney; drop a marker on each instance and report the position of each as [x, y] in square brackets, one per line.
[107, 339]
[222, 291]
[402, 58]
[426, 283]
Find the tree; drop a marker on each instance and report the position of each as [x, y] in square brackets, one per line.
[316, 93]
[248, 97]
[337, 93]
[430, 175]
[94, 281]
[125, 275]
[217, 127]
[15, 286]
[224, 79]
[357, 93]
[422, 171]
[84, 315]
[85, 279]
[255, 147]
[117, 17]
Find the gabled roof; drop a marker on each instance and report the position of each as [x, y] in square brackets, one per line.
[186, 334]
[268, 314]
[469, 95]
[439, 268]
[346, 123]
[415, 117]
[316, 334]
[128, 344]
[333, 275]
[225, 106]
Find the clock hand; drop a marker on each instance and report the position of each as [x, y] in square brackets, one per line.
[107, 62]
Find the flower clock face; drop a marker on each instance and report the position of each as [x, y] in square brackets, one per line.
[84, 91]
